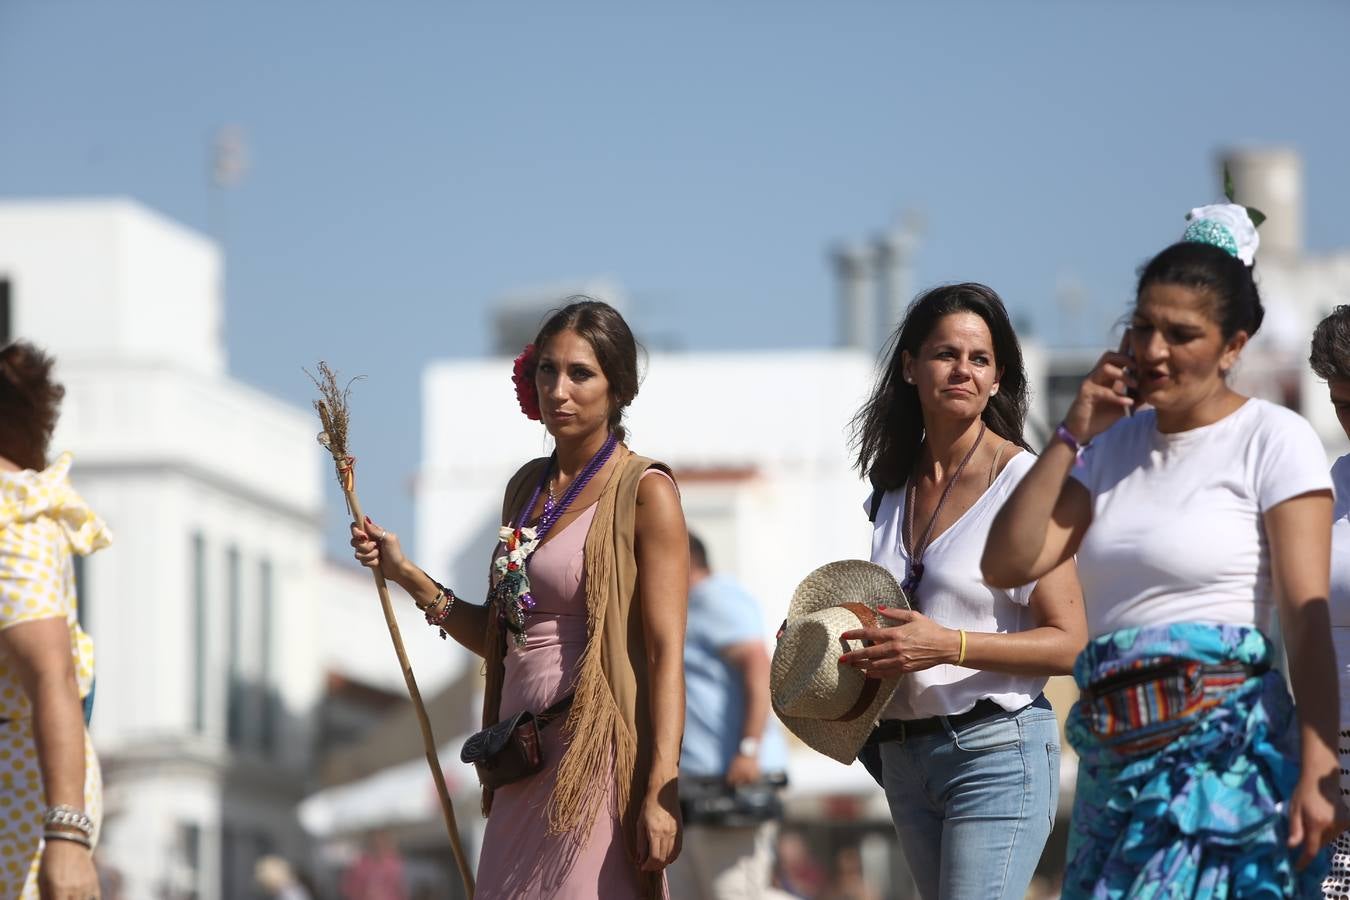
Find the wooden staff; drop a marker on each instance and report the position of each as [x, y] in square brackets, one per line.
[332, 410]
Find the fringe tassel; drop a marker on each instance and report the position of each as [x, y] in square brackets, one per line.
[594, 726]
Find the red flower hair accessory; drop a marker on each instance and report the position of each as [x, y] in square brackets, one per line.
[522, 376]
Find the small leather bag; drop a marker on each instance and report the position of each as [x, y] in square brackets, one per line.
[510, 750]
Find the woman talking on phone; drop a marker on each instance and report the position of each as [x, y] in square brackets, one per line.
[1193, 522]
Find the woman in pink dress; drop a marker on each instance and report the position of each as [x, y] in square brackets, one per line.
[588, 603]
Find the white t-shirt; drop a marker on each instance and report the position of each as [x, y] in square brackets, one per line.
[953, 594]
[1340, 580]
[1177, 530]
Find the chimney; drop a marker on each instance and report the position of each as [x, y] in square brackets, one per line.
[895, 270]
[857, 319]
[1271, 180]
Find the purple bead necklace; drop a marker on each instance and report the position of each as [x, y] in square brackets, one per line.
[515, 585]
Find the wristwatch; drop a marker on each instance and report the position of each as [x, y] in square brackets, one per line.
[749, 746]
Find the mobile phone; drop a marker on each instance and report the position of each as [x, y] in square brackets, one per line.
[1127, 349]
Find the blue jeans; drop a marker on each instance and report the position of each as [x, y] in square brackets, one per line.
[973, 807]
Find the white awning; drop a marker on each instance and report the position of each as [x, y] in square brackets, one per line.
[398, 795]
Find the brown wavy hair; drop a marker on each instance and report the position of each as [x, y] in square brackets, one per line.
[30, 402]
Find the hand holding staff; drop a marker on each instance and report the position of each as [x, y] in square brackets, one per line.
[332, 410]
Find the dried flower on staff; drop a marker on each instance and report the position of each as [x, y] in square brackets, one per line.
[332, 410]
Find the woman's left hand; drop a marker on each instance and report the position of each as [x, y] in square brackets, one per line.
[1316, 814]
[67, 872]
[914, 643]
[659, 830]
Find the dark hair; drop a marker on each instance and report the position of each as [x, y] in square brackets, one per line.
[29, 404]
[698, 554]
[1330, 352]
[612, 342]
[1204, 267]
[888, 430]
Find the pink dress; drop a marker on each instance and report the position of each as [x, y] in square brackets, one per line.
[519, 857]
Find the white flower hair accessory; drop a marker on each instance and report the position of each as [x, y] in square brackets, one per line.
[1229, 226]
[1226, 226]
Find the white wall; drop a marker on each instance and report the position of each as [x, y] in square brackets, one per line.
[110, 278]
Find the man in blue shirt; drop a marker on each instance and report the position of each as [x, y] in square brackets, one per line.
[728, 736]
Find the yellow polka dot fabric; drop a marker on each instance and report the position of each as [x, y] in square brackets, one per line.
[23, 803]
[43, 523]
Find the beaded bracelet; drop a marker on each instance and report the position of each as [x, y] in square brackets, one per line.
[438, 619]
[68, 836]
[69, 817]
[1063, 433]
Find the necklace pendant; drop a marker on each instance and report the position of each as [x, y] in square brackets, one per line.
[911, 582]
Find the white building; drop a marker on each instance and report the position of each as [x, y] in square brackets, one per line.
[201, 610]
[1298, 288]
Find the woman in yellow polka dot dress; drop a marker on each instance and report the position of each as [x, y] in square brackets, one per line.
[50, 788]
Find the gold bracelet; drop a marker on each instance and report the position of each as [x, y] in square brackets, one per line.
[960, 659]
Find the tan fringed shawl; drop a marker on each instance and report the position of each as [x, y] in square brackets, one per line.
[610, 712]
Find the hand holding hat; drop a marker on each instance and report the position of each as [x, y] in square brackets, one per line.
[832, 707]
[905, 641]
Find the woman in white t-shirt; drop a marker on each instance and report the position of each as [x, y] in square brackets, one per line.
[1191, 521]
[1330, 359]
[968, 749]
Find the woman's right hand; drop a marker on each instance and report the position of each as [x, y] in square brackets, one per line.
[378, 549]
[1316, 814]
[1101, 400]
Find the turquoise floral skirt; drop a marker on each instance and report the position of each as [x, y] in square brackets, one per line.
[1204, 816]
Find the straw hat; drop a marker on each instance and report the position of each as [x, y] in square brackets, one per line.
[832, 707]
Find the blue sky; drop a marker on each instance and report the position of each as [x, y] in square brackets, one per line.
[412, 161]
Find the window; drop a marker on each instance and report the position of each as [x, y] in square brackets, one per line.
[267, 730]
[185, 878]
[235, 701]
[240, 850]
[234, 882]
[199, 611]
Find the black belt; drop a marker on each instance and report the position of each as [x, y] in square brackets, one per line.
[903, 729]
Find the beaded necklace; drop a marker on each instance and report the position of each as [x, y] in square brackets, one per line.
[512, 590]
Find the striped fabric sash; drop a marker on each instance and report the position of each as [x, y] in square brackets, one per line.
[1149, 701]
